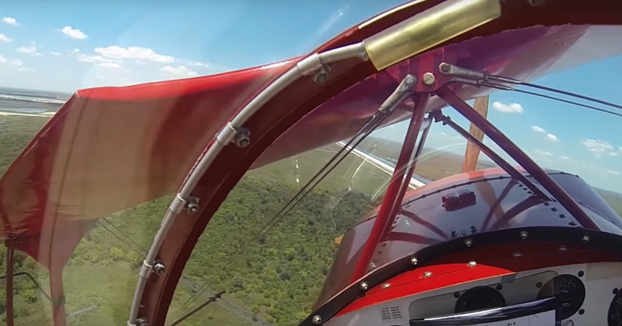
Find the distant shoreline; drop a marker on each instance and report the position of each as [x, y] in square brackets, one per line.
[42, 114]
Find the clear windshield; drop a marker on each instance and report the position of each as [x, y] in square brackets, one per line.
[248, 268]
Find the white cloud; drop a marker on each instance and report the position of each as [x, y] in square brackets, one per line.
[10, 20]
[28, 50]
[613, 172]
[55, 53]
[198, 64]
[109, 65]
[75, 34]
[12, 62]
[5, 39]
[564, 157]
[551, 137]
[538, 129]
[94, 59]
[133, 52]
[76, 50]
[179, 71]
[599, 147]
[542, 153]
[507, 108]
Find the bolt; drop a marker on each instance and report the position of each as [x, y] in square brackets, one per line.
[471, 264]
[317, 319]
[523, 235]
[428, 78]
[242, 138]
[192, 208]
[468, 242]
[586, 239]
[192, 205]
[444, 67]
[427, 274]
[363, 286]
[159, 268]
[414, 261]
[386, 285]
[409, 79]
[321, 76]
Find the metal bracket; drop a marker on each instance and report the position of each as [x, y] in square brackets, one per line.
[313, 66]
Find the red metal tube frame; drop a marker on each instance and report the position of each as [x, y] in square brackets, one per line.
[384, 218]
[518, 155]
[10, 262]
[406, 181]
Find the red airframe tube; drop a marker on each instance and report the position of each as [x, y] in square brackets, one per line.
[518, 155]
[384, 220]
[10, 262]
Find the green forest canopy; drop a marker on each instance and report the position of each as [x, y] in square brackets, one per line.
[273, 280]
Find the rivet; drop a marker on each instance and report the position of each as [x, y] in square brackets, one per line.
[468, 242]
[472, 264]
[427, 274]
[386, 285]
[414, 261]
[317, 319]
[523, 235]
[363, 286]
[586, 239]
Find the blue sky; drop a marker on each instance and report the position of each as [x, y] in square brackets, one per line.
[67, 45]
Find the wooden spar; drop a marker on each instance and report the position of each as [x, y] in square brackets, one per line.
[471, 155]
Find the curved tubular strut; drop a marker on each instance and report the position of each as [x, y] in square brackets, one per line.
[305, 67]
[517, 154]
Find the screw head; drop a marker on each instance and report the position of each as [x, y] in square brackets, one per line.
[444, 67]
[317, 319]
[414, 261]
[472, 263]
[428, 79]
[585, 239]
[524, 235]
[563, 248]
[386, 285]
[468, 242]
[427, 274]
[363, 286]
[517, 254]
[159, 268]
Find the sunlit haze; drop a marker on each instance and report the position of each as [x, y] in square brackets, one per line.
[65, 46]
